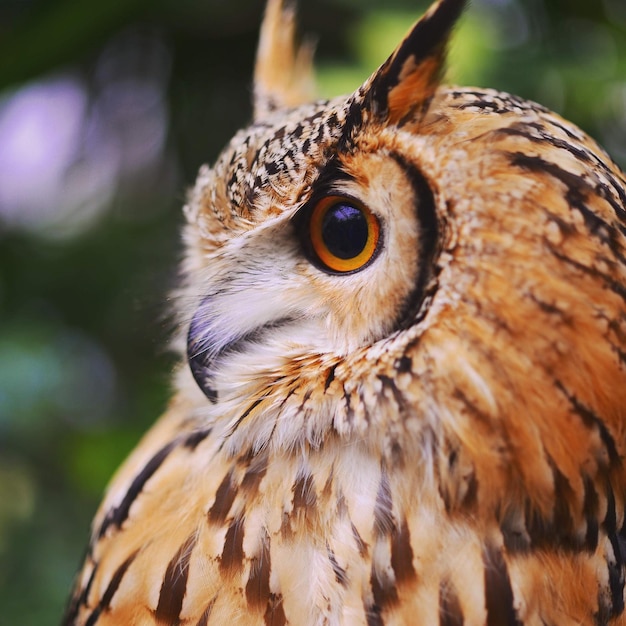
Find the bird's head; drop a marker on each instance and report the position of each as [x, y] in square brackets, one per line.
[408, 263]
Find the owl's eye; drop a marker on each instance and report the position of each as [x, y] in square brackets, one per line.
[343, 235]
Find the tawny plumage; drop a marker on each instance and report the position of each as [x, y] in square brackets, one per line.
[403, 395]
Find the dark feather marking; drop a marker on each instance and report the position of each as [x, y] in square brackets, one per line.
[325, 184]
[489, 106]
[383, 513]
[459, 394]
[621, 354]
[232, 554]
[560, 530]
[616, 576]
[470, 499]
[591, 508]
[275, 614]
[565, 129]
[615, 326]
[389, 383]
[498, 591]
[245, 414]
[113, 586]
[562, 522]
[119, 514]
[361, 545]
[383, 590]
[258, 585]
[602, 189]
[394, 454]
[515, 539]
[500, 103]
[551, 309]
[301, 410]
[426, 212]
[450, 612]
[578, 189]
[327, 492]
[609, 524]
[174, 584]
[442, 488]
[304, 496]
[78, 600]
[591, 420]
[403, 365]
[373, 616]
[611, 283]
[353, 123]
[253, 477]
[363, 404]
[197, 437]
[340, 573]
[536, 132]
[619, 206]
[204, 618]
[621, 532]
[330, 376]
[224, 498]
[540, 530]
[616, 566]
[349, 409]
[85, 593]
[402, 554]
[273, 167]
[94, 617]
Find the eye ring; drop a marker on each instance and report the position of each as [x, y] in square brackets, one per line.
[344, 235]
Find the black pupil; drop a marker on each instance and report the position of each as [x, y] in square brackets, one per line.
[344, 231]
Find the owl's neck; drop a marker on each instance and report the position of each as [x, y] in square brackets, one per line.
[411, 539]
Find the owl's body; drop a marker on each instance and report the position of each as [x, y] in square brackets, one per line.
[429, 429]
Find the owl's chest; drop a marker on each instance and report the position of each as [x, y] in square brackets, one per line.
[328, 539]
[336, 536]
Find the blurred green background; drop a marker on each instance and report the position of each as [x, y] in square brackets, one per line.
[106, 112]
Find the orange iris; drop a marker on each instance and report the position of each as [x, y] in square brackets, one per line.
[344, 234]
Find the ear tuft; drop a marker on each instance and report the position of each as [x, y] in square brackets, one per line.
[401, 89]
[283, 74]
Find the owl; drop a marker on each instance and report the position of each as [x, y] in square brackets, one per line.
[401, 397]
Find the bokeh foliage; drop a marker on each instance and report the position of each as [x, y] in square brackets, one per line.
[84, 277]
